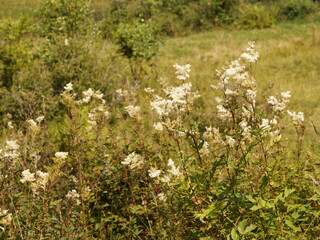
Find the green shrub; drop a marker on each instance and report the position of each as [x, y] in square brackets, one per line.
[139, 42]
[291, 9]
[256, 15]
[65, 17]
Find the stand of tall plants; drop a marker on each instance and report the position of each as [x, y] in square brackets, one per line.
[97, 172]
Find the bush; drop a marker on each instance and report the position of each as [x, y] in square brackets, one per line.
[256, 16]
[292, 9]
[139, 42]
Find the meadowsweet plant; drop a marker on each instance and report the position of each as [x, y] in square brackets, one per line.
[156, 171]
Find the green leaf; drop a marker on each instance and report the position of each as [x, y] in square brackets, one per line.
[250, 228]
[292, 226]
[256, 207]
[287, 192]
[242, 226]
[234, 234]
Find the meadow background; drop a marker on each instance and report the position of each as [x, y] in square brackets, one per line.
[131, 45]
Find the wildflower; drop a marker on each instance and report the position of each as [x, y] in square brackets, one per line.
[162, 197]
[134, 161]
[173, 170]
[246, 130]
[265, 125]
[98, 95]
[158, 126]
[297, 118]
[62, 155]
[230, 141]
[162, 106]
[229, 92]
[223, 113]
[212, 136]
[134, 111]
[182, 71]
[27, 176]
[178, 94]
[68, 87]
[73, 195]
[39, 119]
[42, 179]
[273, 121]
[218, 100]
[88, 94]
[278, 106]
[12, 145]
[149, 90]
[5, 218]
[205, 151]
[10, 125]
[251, 95]
[251, 55]
[106, 114]
[286, 95]
[12, 150]
[154, 173]
[165, 179]
[66, 42]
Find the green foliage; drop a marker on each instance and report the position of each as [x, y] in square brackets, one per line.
[111, 176]
[292, 9]
[138, 41]
[257, 15]
[64, 17]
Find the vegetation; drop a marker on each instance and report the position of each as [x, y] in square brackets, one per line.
[104, 136]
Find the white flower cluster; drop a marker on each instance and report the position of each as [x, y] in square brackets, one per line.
[74, 196]
[179, 98]
[133, 111]
[212, 136]
[89, 94]
[68, 87]
[172, 172]
[297, 118]
[36, 183]
[5, 218]
[251, 55]
[279, 105]
[246, 130]
[154, 173]
[223, 113]
[11, 150]
[10, 125]
[182, 72]
[158, 126]
[230, 141]
[34, 125]
[95, 113]
[61, 155]
[27, 176]
[134, 161]
[205, 150]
